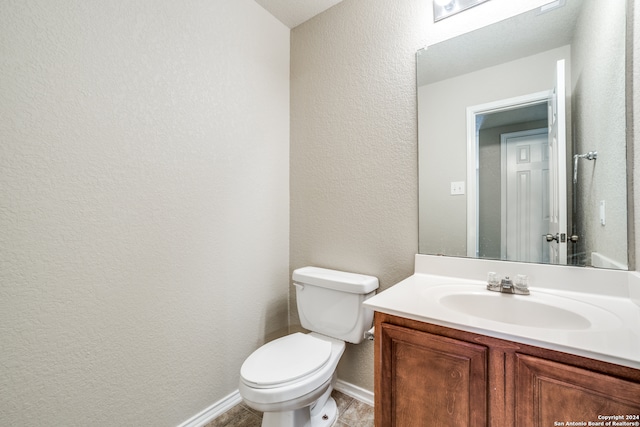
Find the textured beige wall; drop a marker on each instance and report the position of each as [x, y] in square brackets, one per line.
[144, 204]
[598, 119]
[633, 126]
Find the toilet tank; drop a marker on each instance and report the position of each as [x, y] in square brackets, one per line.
[330, 302]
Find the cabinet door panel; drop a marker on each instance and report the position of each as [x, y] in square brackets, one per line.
[553, 394]
[430, 380]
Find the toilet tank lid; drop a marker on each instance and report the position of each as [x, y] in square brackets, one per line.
[334, 279]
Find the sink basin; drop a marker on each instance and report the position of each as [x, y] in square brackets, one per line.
[506, 309]
[538, 310]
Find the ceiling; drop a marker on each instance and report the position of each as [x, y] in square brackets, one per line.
[294, 12]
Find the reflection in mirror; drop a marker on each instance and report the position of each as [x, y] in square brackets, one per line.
[512, 169]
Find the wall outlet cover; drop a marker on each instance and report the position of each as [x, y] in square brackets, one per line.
[457, 188]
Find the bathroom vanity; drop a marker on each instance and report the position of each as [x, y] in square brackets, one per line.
[441, 360]
[432, 375]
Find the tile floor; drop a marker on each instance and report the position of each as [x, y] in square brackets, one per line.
[351, 413]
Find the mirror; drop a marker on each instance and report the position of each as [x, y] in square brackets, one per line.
[522, 139]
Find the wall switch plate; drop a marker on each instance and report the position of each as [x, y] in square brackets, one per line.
[602, 213]
[457, 188]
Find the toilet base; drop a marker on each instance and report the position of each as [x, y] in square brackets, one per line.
[309, 416]
[326, 416]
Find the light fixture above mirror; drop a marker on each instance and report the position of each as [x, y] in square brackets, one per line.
[445, 8]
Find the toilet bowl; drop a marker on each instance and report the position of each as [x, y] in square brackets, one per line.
[291, 379]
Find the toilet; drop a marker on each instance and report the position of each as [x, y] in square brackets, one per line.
[291, 379]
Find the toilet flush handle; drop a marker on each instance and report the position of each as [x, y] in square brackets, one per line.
[299, 286]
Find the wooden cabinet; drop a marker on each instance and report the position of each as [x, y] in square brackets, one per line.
[429, 375]
[430, 378]
[550, 393]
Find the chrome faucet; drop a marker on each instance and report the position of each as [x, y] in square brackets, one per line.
[506, 285]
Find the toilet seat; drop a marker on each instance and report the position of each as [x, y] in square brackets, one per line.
[297, 393]
[287, 359]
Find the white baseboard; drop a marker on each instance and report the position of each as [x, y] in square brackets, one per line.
[358, 393]
[218, 408]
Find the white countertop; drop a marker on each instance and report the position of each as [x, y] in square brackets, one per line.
[613, 337]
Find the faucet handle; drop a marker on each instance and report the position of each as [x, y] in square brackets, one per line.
[522, 281]
[522, 284]
[493, 281]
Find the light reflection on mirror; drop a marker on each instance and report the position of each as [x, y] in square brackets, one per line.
[514, 59]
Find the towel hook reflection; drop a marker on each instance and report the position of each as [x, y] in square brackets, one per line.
[591, 155]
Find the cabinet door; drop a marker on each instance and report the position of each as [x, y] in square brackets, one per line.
[430, 380]
[553, 394]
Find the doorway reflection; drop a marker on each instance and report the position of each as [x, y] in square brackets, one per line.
[512, 167]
